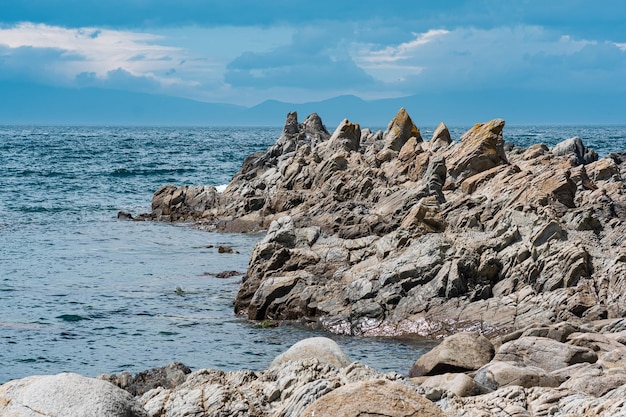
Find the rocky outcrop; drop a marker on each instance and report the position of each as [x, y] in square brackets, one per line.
[388, 234]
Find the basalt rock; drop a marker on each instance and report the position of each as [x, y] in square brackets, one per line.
[385, 234]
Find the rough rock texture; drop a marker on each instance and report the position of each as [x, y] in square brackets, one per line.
[529, 383]
[167, 376]
[376, 397]
[283, 391]
[387, 234]
[547, 371]
[67, 395]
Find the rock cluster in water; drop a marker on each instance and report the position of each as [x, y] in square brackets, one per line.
[385, 233]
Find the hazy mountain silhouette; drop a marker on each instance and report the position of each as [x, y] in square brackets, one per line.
[34, 104]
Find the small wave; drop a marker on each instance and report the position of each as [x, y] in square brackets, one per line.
[124, 172]
[39, 359]
[41, 209]
[221, 188]
[72, 317]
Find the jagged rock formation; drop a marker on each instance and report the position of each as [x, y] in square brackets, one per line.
[385, 233]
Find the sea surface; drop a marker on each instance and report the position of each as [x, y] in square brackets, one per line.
[81, 291]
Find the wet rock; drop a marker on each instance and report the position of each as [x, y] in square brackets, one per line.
[122, 215]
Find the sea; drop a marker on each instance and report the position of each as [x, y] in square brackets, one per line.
[84, 292]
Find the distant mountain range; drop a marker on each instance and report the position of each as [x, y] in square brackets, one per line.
[42, 105]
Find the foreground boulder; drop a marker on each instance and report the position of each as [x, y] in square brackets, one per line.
[457, 353]
[388, 234]
[373, 398]
[68, 395]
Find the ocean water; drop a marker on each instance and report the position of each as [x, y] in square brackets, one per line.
[81, 291]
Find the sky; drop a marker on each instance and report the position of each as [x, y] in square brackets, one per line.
[245, 52]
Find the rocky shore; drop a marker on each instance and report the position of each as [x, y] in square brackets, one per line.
[558, 370]
[514, 257]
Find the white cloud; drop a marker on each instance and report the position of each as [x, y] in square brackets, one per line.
[401, 52]
[98, 51]
[473, 57]
[621, 46]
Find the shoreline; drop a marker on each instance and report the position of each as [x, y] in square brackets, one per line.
[383, 233]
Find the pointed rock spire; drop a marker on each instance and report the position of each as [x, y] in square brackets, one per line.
[400, 130]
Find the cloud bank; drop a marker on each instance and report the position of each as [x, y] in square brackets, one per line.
[247, 52]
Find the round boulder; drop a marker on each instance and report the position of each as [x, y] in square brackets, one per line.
[321, 348]
[67, 395]
[377, 397]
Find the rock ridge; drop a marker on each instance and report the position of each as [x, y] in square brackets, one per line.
[388, 234]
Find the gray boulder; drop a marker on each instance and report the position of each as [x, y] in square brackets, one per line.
[577, 150]
[67, 395]
[168, 376]
[458, 384]
[545, 353]
[457, 353]
[497, 374]
[321, 348]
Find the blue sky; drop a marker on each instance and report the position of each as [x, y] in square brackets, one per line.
[245, 52]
